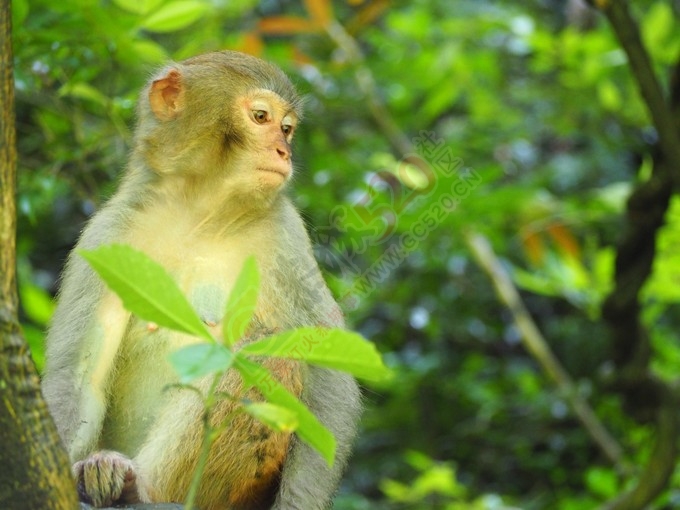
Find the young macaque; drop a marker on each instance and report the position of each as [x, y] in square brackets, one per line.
[203, 190]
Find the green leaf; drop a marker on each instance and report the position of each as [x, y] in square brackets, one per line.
[241, 304]
[36, 341]
[396, 491]
[198, 360]
[36, 303]
[85, 91]
[602, 482]
[534, 282]
[145, 287]
[277, 417]
[331, 348]
[309, 429]
[149, 51]
[138, 6]
[175, 16]
[657, 27]
[418, 460]
[609, 95]
[20, 9]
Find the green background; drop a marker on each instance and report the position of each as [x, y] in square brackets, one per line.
[524, 115]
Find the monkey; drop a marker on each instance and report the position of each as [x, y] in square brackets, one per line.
[206, 185]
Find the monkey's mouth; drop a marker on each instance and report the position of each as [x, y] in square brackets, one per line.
[273, 170]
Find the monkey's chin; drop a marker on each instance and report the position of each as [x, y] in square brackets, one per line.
[273, 177]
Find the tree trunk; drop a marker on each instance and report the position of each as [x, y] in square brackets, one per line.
[34, 467]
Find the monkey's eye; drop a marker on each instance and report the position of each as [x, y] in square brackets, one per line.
[260, 116]
[287, 129]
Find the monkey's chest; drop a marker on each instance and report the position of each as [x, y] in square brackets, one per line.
[142, 379]
[205, 268]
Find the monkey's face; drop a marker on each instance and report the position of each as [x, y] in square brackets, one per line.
[223, 122]
[268, 123]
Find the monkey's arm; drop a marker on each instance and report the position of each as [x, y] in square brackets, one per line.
[307, 482]
[82, 343]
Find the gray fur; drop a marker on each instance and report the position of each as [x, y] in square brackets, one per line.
[293, 289]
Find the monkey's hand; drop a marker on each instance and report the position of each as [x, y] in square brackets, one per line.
[106, 478]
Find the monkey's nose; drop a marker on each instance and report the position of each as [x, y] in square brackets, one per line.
[284, 153]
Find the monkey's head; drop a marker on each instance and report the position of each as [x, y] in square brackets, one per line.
[223, 115]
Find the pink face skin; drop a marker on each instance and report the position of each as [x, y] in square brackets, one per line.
[270, 122]
[255, 170]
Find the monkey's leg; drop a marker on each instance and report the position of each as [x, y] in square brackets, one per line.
[244, 465]
[106, 478]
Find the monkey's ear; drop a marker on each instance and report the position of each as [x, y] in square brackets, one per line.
[166, 96]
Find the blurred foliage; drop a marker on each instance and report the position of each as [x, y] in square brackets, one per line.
[533, 132]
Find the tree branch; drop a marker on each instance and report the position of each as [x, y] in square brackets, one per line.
[657, 472]
[533, 339]
[35, 469]
[537, 346]
[364, 77]
[647, 204]
[628, 34]
[646, 212]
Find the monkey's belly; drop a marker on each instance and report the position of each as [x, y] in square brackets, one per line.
[245, 463]
[141, 388]
[244, 467]
[142, 373]
[162, 430]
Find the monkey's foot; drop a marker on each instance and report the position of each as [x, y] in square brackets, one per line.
[106, 478]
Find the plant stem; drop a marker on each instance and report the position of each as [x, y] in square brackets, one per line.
[209, 435]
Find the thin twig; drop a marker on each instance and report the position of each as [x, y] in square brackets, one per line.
[534, 341]
[537, 346]
[207, 441]
[364, 77]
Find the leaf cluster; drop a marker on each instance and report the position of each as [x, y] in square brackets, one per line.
[149, 292]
